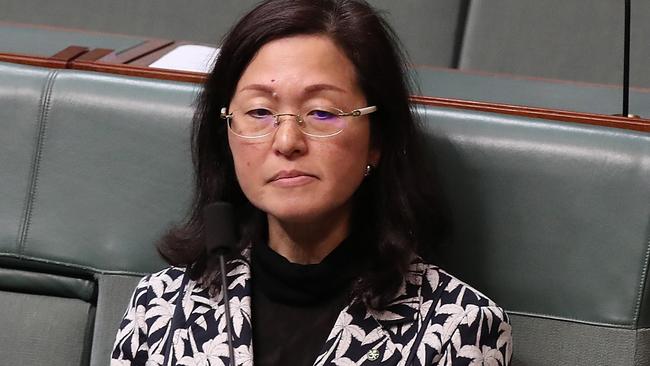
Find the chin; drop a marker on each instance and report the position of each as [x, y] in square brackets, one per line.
[294, 215]
[298, 211]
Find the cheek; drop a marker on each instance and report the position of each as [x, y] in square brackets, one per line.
[346, 164]
[246, 158]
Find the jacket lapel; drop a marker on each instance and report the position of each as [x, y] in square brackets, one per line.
[360, 336]
[363, 336]
[208, 311]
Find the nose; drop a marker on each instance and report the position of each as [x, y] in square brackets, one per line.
[288, 140]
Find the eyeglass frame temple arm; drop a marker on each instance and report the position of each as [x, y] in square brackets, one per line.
[360, 111]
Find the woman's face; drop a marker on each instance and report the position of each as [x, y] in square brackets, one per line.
[293, 177]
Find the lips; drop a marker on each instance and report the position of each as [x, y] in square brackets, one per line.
[291, 178]
[290, 174]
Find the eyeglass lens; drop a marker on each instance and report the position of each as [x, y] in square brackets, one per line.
[259, 122]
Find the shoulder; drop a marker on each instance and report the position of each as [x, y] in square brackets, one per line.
[463, 319]
[438, 284]
[454, 303]
[162, 284]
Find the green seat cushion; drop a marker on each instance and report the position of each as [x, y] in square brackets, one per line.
[44, 330]
[33, 282]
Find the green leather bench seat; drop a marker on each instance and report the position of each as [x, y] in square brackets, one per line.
[559, 39]
[39, 41]
[551, 219]
[509, 89]
[47, 284]
[45, 330]
[94, 169]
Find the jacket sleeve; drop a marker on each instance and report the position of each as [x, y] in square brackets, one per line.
[130, 348]
[482, 337]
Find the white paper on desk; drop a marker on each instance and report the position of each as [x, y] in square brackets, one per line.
[188, 58]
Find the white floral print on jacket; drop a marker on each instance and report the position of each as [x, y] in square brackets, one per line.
[435, 320]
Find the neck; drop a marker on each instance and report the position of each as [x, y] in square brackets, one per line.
[305, 242]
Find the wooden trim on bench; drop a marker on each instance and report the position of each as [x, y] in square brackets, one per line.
[139, 71]
[85, 63]
[69, 53]
[32, 60]
[638, 124]
[628, 123]
[59, 60]
[94, 54]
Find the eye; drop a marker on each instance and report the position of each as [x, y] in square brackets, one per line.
[259, 113]
[320, 114]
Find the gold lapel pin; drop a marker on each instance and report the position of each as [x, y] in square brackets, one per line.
[373, 355]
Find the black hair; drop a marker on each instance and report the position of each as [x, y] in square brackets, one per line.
[396, 212]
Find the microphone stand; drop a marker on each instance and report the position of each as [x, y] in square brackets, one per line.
[626, 60]
[226, 302]
[220, 240]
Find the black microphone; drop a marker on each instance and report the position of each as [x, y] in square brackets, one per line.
[220, 240]
[219, 228]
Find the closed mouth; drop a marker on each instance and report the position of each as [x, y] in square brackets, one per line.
[289, 174]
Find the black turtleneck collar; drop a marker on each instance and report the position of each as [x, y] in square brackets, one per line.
[306, 284]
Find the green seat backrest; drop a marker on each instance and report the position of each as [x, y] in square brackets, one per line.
[94, 169]
[552, 220]
[561, 39]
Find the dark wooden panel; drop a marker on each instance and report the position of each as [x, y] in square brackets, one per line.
[69, 53]
[32, 60]
[94, 54]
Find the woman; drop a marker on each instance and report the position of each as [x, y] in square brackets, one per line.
[304, 126]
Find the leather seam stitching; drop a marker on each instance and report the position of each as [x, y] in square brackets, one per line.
[90, 269]
[642, 282]
[45, 101]
[570, 320]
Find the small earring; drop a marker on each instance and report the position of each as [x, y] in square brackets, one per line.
[369, 169]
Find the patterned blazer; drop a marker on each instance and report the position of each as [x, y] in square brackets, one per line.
[435, 320]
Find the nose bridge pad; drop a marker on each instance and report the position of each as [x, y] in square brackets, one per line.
[298, 118]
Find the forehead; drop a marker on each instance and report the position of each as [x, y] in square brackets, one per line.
[297, 64]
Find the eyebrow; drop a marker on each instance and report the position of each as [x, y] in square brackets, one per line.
[311, 89]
